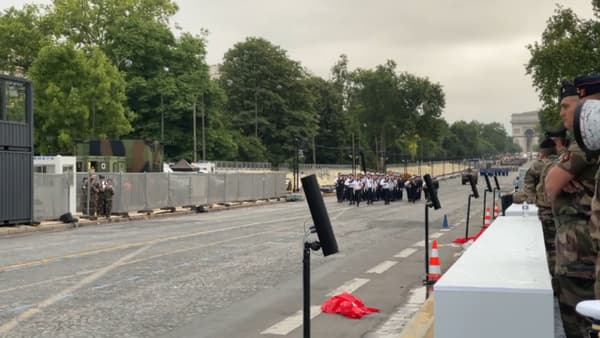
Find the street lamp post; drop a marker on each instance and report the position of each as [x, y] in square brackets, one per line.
[194, 127]
[162, 113]
[203, 129]
[256, 112]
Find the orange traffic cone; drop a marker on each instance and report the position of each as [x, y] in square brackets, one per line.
[496, 210]
[435, 270]
[487, 219]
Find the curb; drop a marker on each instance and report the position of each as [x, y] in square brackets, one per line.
[421, 324]
[58, 226]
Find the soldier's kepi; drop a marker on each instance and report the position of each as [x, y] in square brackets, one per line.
[569, 187]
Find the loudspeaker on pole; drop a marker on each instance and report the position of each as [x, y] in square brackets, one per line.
[319, 215]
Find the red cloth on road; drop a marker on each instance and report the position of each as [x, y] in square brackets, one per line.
[347, 305]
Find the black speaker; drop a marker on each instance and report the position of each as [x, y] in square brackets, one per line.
[496, 181]
[473, 186]
[431, 189]
[319, 215]
[487, 182]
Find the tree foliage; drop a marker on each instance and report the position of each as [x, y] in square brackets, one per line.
[115, 68]
[268, 98]
[569, 47]
[86, 99]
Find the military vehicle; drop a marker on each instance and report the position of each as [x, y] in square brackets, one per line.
[120, 156]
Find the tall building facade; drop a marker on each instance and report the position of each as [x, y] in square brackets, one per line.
[524, 127]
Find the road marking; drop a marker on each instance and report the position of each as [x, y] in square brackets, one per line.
[403, 315]
[382, 267]
[135, 244]
[284, 327]
[139, 260]
[294, 321]
[406, 252]
[436, 235]
[420, 244]
[350, 286]
[7, 327]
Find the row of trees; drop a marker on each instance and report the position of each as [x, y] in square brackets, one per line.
[569, 46]
[115, 68]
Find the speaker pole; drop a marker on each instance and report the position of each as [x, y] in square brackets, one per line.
[468, 216]
[426, 281]
[493, 203]
[484, 205]
[306, 287]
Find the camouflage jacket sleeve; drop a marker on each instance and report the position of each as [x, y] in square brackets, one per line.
[531, 180]
[574, 160]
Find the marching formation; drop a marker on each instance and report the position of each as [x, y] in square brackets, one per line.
[371, 187]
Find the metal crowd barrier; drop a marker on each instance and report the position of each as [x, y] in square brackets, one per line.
[146, 191]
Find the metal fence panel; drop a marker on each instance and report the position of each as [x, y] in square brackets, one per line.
[180, 189]
[231, 187]
[138, 191]
[157, 190]
[245, 185]
[259, 186]
[51, 195]
[132, 192]
[280, 184]
[270, 186]
[216, 188]
[199, 189]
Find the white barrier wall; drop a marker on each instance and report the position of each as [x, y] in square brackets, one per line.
[500, 287]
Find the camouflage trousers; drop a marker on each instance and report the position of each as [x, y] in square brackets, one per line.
[107, 207]
[571, 291]
[549, 229]
[574, 270]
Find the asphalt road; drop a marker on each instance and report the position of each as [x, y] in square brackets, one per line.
[236, 273]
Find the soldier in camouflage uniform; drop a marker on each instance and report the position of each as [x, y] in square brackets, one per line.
[94, 189]
[83, 196]
[589, 89]
[534, 176]
[109, 192]
[569, 187]
[101, 197]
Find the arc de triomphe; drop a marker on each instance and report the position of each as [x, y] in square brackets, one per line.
[523, 129]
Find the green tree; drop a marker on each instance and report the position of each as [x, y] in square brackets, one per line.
[569, 47]
[268, 98]
[23, 32]
[84, 100]
[330, 142]
[97, 22]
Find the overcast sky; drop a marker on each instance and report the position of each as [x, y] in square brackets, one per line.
[476, 49]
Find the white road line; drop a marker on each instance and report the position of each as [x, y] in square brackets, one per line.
[405, 253]
[382, 267]
[284, 327]
[420, 244]
[403, 315]
[26, 315]
[350, 286]
[289, 324]
[436, 235]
